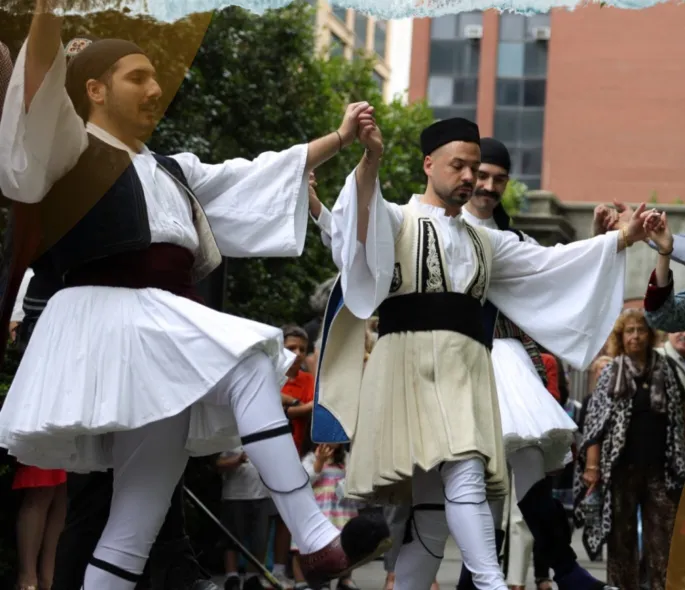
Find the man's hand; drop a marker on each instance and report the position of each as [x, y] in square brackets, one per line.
[604, 219]
[369, 134]
[314, 202]
[656, 228]
[635, 228]
[350, 123]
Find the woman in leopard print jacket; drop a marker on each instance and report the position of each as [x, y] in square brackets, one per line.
[633, 454]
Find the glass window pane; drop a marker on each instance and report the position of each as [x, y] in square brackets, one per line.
[515, 155]
[507, 126]
[512, 27]
[531, 161]
[535, 59]
[534, 93]
[532, 126]
[532, 182]
[466, 91]
[444, 27]
[379, 37]
[341, 13]
[337, 47]
[440, 91]
[444, 57]
[509, 93]
[510, 60]
[469, 18]
[471, 63]
[449, 113]
[361, 24]
[378, 80]
[534, 21]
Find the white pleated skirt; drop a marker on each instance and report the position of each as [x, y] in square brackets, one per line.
[105, 359]
[530, 414]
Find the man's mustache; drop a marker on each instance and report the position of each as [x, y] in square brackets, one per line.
[481, 192]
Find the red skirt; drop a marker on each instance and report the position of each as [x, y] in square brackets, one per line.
[34, 477]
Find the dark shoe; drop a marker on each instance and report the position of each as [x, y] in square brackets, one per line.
[580, 579]
[253, 584]
[232, 583]
[362, 540]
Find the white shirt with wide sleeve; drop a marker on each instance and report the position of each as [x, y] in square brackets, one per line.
[255, 207]
[567, 298]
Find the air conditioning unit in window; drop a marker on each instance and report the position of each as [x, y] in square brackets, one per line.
[473, 31]
[542, 33]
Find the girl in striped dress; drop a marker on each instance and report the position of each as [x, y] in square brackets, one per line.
[326, 469]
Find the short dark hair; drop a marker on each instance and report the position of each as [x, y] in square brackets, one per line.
[294, 331]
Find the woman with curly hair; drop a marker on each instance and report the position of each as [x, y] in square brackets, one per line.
[632, 454]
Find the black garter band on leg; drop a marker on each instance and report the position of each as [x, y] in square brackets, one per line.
[409, 537]
[266, 435]
[115, 570]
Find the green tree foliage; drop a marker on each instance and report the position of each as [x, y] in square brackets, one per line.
[255, 85]
[514, 197]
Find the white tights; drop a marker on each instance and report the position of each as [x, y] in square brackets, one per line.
[460, 487]
[149, 461]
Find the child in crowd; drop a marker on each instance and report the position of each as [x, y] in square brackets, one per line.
[326, 469]
[245, 511]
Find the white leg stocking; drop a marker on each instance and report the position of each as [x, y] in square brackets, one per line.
[253, 393]
[148, 463]
[419, 560]
[470, 522]
[528, 465]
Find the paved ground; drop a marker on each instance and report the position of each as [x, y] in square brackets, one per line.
[372, 576]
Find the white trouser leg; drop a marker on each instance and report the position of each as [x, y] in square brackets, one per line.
[418, 561]
[253, 393]
[148, 464]
[470, 521]
[528, 465]
[520, 546]
[497, 511]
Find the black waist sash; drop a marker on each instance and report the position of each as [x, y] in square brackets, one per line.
[430, 312]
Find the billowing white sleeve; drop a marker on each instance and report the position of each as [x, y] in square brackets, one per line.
[18, 311]
[255, 207]
[366, 269]
[40, 146]
[566, 298]
[325, 223]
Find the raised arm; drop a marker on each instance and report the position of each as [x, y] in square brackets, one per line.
[663, 309]
[41, 136]
[579, 286]
[364, 230]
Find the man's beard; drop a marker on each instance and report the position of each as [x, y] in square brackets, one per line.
[455, 198]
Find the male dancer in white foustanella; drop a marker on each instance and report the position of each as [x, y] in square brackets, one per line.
[537, 432]
[125, 369]
[425, 421]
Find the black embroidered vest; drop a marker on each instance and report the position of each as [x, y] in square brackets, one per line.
[99, 208]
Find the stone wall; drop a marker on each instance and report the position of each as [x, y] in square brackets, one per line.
[551, 222]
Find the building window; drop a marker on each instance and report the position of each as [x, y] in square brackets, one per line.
[378, 79]
[453, 66]
[341, 13]
[520, 94]
[380, 36]
[361, 25]
[337, 47]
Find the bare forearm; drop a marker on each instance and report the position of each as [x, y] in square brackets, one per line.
[299, 411]
[323, 149]
[366, 176]
[663, 265]
[42, 46]
[592, 456]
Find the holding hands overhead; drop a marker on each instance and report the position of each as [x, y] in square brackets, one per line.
[657, 230]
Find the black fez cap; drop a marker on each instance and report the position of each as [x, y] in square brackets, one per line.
[91, 62]
[447, 131]
[494, 152]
